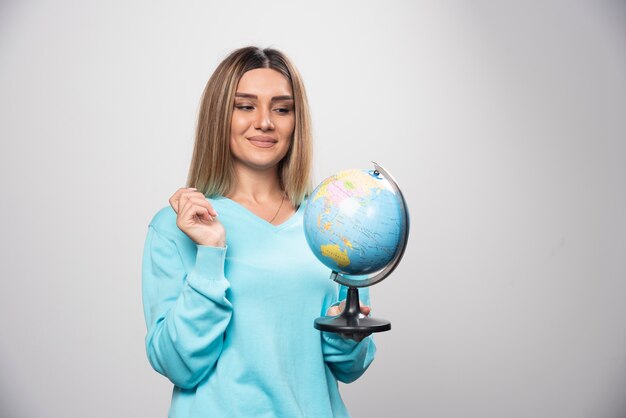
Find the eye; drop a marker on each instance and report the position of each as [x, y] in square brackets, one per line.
[242, 106]
[283, 110]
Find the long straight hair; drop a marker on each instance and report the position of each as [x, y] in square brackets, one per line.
[211, 170]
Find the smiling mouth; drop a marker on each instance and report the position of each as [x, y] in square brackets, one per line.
[262, 141]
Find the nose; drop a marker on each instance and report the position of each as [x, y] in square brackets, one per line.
[263, 120]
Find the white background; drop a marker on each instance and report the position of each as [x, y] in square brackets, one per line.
[504, 123]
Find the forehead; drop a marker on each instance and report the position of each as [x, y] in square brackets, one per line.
[264, 82]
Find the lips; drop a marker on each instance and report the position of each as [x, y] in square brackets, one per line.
[262, 141]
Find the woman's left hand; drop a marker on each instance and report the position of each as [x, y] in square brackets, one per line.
[338, 309]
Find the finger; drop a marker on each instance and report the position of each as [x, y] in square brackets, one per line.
[336, 309]
[342, 305]
[191, 210]
[175, 198]
[333, 311]
[197, 199]
[190, 214]
[365, 310]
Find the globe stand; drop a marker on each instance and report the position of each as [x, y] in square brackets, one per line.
[351, 321]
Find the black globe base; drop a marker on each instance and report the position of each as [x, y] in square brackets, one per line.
[340, 325]
[351, 321]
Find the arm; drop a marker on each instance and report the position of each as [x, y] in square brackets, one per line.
[346, 358]
[186, 314]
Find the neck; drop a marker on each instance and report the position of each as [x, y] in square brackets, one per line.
[256, 185]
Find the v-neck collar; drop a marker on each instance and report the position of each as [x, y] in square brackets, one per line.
[249, 214]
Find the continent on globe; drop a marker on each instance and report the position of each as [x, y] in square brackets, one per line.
[334, 252]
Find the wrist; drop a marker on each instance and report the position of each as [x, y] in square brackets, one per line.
[211, 241]
[217, 244]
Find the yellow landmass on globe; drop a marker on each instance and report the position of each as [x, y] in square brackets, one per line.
[322, 192]
[347, 243]
[334, 252]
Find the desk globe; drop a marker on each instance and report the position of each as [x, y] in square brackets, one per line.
[356, 223]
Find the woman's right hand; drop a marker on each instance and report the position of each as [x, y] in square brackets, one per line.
[197, 218]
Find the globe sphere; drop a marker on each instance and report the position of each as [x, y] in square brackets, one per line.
[353, 222]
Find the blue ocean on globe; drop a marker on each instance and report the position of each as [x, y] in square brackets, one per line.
[353, 222]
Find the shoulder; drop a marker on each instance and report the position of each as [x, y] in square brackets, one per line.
[164, 222]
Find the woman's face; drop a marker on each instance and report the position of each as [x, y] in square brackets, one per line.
[263, 119]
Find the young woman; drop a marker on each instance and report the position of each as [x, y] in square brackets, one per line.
[230, 287]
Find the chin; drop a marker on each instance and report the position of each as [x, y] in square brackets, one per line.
[265, 162]
[260, 164]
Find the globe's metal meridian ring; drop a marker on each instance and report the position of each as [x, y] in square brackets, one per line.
[404, 237]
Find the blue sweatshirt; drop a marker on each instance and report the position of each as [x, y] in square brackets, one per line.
[232, 328]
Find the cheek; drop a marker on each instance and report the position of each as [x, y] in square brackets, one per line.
[288, 126]
[238, 124]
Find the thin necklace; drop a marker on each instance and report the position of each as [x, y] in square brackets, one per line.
[280, 206]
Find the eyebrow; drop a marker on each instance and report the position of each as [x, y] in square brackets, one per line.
[254, 96]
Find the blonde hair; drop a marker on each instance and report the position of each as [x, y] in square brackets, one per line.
[211, 170]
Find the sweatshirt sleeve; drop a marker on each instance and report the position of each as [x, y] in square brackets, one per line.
[186, 314]
[346, 358]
